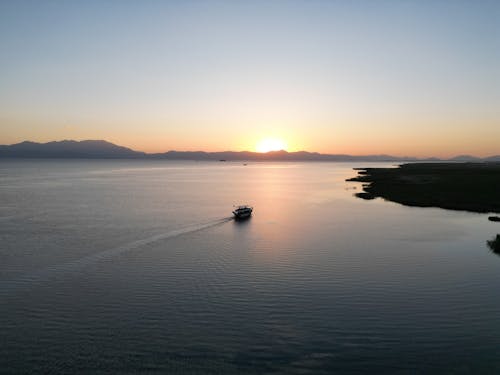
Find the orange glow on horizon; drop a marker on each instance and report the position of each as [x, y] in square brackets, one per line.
[271, 144]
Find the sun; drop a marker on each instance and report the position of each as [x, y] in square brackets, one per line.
[270, 144]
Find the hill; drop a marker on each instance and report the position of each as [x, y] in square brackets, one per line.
[94, 149]
[100, 149]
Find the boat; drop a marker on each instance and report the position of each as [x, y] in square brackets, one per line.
[242, 212]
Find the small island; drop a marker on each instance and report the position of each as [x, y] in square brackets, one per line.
[471, 187]
[494, 244]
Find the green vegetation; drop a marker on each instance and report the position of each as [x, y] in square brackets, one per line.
[457, 186]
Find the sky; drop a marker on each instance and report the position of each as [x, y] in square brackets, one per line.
[419, 78]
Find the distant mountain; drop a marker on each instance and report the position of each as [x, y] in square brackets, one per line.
[270, 156]
[465, 158]
[69, 149]
[495, 158]
[99, 149]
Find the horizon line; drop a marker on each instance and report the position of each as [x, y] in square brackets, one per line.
[389, 156]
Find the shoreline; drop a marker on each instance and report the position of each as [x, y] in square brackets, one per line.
[473, 187]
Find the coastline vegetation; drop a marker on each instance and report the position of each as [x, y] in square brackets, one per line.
[471, 187]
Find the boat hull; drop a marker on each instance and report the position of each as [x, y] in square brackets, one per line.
[242, 216]
[242, 213]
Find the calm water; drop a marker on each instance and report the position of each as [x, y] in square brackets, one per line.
[132, 266]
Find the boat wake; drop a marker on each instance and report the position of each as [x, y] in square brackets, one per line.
[70, 268]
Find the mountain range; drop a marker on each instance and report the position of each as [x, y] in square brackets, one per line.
[99, 149]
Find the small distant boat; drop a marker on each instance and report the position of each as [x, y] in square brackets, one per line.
[494, 218]
[242, 212]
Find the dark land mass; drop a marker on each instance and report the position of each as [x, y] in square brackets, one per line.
[99, 149]
[494, 244]
[471, 187]
[69, 149]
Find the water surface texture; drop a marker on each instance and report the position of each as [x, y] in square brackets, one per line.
[137, 266]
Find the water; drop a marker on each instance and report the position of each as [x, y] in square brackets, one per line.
[137, 266]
